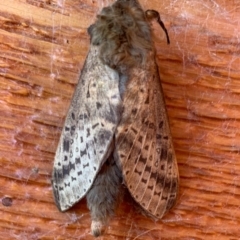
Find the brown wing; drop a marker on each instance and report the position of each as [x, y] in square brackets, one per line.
[144, 146]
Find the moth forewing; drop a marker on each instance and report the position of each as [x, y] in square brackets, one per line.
[144, 145]
[87, 135]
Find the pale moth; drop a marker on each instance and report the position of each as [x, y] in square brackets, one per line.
[116, 130]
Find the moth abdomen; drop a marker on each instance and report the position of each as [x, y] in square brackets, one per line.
[104, 195]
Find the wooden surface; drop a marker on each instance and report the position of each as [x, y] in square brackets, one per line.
[43, 46]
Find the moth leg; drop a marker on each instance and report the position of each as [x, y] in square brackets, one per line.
[103, 197]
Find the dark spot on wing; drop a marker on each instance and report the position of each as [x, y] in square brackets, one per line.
[134, 130]
[157, 193]
[114, 96]
[73, 116]
[150, 187]
[143, 180]
[148, 169]
[138, 172]
[99, 105]
[73, 179]
[73, 127]
[164, 153]
[158, 136]
[71, 166]
[85, 165]
[66, 145]
[147, 100]
[170, 157]
[154, 175]
[84, 152]
[122, 155]
[95, 125]
[88, 132]
[65, 171]
[143, 160]
[77, 160]
[134, 111]
[88, 94]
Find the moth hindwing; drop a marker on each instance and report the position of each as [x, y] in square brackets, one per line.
[116, 129]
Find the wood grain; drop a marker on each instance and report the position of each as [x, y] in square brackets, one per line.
[43, 47]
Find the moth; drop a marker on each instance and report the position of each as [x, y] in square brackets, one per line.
[116, 130]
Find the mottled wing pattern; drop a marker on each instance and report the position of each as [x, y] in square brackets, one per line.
[87, 135]
[144, 145]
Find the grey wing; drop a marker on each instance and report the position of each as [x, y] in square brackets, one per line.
[144, 146]
[87, 135]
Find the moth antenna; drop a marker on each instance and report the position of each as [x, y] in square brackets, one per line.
[151, 14]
